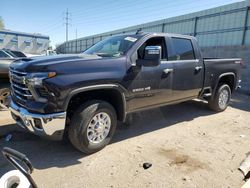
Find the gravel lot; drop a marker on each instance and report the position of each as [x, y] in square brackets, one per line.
[187, 144]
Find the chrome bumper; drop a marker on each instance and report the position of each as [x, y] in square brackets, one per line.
[48, 125]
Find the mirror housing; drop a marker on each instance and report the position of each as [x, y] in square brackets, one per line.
[152, 57]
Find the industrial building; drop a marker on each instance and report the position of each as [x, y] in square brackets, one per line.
[221, 32]
[25, 42]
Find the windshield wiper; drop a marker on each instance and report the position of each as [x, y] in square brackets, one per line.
[103, 54]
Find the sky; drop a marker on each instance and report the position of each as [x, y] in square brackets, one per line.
[90, 17]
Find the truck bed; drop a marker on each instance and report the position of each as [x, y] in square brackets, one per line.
[215, 67]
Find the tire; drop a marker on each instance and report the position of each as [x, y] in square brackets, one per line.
[80, 132]
[4, 93]
[223, 93]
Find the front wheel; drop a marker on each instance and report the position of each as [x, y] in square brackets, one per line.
[221, 98]
[92, 126]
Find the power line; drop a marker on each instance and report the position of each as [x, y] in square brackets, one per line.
[133, 9]
[124, 16]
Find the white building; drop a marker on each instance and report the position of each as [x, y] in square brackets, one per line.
[25, 42]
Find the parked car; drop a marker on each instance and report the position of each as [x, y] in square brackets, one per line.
[83, 96]
[17, 53]
[49, 52]
[6, 58]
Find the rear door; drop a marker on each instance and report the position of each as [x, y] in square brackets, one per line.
[188, 68]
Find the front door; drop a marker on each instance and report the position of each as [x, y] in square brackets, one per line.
[150, 86]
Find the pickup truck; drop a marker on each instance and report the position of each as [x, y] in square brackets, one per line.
[83, 96]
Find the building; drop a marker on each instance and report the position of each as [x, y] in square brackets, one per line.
[222, 32]
[25, 42]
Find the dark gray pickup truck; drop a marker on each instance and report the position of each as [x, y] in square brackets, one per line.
[83, 96]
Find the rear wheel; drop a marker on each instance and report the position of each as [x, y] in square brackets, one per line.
[92, 126]
[221, 98]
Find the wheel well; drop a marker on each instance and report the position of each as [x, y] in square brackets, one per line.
[229, 80]
[112, 96]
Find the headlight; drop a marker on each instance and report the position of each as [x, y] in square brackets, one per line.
[36, 79]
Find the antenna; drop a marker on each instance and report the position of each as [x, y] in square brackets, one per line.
[139, 31]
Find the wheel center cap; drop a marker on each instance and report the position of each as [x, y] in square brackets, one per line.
[99, 128]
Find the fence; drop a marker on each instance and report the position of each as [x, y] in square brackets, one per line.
[227, 25]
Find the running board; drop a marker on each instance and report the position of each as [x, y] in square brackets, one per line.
[207, 95]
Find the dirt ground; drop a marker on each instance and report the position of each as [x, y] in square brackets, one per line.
[187, 144]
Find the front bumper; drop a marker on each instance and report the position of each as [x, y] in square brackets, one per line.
[47, 125]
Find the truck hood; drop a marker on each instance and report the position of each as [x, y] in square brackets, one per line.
[44, 63]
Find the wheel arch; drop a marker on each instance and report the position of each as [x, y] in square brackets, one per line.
[227, 78]
[111, 93]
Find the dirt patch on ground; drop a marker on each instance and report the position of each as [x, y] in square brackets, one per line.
[181, 160]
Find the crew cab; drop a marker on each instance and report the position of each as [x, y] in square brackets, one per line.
[83, 96]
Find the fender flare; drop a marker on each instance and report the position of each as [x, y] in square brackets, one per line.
[222, 75]
[117, 87]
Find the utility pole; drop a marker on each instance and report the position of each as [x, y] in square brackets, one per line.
[67, 24]
[67, 19]
[76, 40]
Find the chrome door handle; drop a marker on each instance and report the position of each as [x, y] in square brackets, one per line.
[197, 68]
[168, 70]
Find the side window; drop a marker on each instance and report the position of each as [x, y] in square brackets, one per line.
[2, 54]
[156, 41]
[183, 49]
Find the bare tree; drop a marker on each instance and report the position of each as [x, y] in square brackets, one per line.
[1, 23]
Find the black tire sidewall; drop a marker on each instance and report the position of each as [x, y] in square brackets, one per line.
[80, 123]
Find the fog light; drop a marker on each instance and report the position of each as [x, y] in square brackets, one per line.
[38, 123]
[26, 121]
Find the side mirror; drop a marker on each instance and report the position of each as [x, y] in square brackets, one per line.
[152, 57]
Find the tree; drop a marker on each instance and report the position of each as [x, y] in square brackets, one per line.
[1, 23]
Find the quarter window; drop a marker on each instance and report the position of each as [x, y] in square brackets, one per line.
[183, 49]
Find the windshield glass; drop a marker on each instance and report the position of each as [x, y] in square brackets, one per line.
[115, 46]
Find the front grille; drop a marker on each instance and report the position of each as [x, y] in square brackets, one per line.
[19, 87]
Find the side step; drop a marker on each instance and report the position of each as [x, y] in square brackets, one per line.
[207, 94]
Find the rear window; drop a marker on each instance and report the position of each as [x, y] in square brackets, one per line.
[183, 49]
[18, 54]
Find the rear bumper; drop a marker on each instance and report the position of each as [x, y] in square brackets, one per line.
[46, 125]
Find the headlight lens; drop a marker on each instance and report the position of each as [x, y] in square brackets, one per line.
[36, 79]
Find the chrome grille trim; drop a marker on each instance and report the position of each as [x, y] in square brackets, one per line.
[19, 88]
[18, 72]
[24, 95]
[25, 89]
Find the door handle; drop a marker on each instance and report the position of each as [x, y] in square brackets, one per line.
[197, 68]
[168, 70]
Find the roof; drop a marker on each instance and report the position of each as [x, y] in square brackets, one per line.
[35, 35]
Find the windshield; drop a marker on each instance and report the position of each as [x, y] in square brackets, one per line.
[113, 46]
